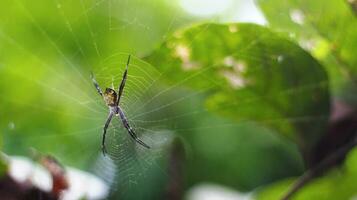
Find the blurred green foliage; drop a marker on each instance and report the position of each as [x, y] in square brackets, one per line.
[240, 100]
[327, 30]
[320, 26]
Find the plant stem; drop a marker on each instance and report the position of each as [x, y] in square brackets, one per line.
[319, 168]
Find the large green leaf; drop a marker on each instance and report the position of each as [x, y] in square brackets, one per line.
[251, 74]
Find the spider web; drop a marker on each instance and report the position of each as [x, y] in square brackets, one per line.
[157, 110]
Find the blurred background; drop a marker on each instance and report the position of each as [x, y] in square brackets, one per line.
[231, 111]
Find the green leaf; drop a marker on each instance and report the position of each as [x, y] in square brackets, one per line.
[250, 73]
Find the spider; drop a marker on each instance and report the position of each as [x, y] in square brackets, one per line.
[112, 99]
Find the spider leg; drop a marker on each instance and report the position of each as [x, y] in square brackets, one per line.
[109, 119]
[129, 129]
[122, 84]
[96, 85]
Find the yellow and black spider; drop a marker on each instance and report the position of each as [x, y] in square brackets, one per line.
[112, 99]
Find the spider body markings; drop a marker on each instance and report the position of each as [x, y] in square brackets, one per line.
[112, 100]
